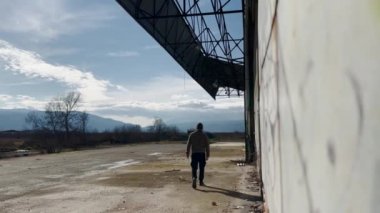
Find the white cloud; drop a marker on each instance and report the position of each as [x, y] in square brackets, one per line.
[20, 102]
[227, 103]
[4, 97]
[49, 19]
[20, 83]
[44, 20]
[156, 97]
[140, 120]
[167, 93]
[195, 104]
[121, 88]
[31, 65]
[179, 96]
[25, 101]
[143, 113]
[121, 103]
[169, 97]
[123, 54]
[162, 88]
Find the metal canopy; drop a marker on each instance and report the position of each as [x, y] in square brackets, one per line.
[213, 59]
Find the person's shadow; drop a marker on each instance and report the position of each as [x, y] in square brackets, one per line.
[235, 194]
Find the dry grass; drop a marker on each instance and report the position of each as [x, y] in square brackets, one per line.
[223, 152]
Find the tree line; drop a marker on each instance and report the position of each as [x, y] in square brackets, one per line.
[63, 125]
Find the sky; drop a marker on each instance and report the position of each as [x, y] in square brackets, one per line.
[49, 48]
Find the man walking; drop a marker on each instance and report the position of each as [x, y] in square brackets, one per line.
[200, 152]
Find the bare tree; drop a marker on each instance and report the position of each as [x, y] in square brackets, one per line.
[54, 116]
[61, 118]
[42, 137]
[83, 121]
[158, 127]
[67, 105]
[60, 114]
[78, 124]
[127, 133]
[35, 120]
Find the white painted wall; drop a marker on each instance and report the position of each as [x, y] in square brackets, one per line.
[319, 90]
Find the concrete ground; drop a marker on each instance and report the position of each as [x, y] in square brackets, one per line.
[153, 177]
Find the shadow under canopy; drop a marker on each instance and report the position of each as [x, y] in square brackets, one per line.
[230, 193]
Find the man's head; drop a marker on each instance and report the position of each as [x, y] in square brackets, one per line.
[199, 126]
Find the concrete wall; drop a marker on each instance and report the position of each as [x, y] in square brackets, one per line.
[318, 104]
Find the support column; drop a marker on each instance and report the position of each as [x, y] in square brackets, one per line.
[249, 69]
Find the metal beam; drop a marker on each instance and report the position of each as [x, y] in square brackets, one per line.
[190, 14]
[206, 51]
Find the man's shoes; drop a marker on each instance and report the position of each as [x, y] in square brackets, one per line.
[201, 183]
[194, 183]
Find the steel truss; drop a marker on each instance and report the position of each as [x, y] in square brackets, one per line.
[229, 92]
[211, 38]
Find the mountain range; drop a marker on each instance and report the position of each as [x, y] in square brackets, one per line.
[14, 119]
[214, 126]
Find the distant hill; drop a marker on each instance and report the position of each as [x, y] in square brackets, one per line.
[14, 119]
[215, 126]
[101, 124]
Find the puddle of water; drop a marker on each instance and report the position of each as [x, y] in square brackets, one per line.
[158, 153]
[55, 176]
[155, 153]
[99, 169]
[103, 178]
[115, 165]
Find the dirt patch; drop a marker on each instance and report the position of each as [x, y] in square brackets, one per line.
[226, 152]
[159, 183]
[161, 179]
[158, 166]
[147, 179]
[36, 192]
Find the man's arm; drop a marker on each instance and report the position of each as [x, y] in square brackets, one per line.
[207, 148]
[188, 146]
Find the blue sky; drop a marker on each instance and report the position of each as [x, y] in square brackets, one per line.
[48, 48]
